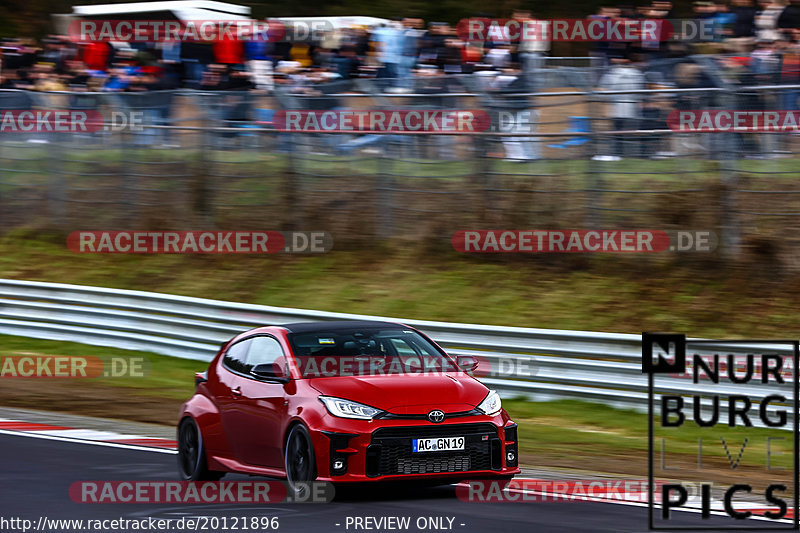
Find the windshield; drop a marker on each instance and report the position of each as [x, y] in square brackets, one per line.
[366, 351]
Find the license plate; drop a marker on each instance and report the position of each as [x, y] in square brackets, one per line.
[440, 444]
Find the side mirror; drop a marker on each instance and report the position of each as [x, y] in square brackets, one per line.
[467, 363]
[269, 371]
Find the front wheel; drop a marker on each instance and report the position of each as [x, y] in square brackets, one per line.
[300, 461]
[192, 464]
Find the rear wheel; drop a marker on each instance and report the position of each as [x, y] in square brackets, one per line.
[192, 464]
[300, 461]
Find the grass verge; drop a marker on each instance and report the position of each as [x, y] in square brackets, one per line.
[610, 294]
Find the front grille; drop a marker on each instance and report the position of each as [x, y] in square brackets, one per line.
[393, 416]
[430, 465]
[390, 451]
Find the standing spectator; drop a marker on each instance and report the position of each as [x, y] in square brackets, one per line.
[499, 56]
[600, 49]
[766, 20]
[704, 20]
[619, 48]
[531, 51]
[723, 20]
[450, 55]
[764, 61]
[763, 69]
[388, 41]
[346, 62]
[625, 109]
[789, 19]
[656, 48]
[689, 75]
[228, 50]
[259, 64]
[412, 37]
[510, 90]
[744, 27]
[196, 57]
[789, 75]
[433, 43]
[97, 54]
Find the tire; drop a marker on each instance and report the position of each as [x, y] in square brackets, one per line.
[299, 461]
[192, 465]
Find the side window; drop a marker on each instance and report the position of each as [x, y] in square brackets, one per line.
[263, 350]
[403, 348]
[236, 356]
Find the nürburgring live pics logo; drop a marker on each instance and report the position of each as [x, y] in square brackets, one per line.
[727, 385]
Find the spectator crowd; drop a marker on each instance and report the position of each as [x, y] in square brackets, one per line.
[759, 39]
[749, 44]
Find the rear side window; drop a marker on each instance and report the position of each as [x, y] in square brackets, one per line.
[244, 355]
[236, 357]
[263, 350]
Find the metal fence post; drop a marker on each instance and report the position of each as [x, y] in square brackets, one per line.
[290, 178]
[594, 179]
[56, 194]
[129, 177]
[483, 181]
[202, 192]
[384, 183]
[729, 177]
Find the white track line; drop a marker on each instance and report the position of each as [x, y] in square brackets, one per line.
[82, 441]
[85, 434]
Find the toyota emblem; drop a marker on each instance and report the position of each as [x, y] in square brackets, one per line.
[436, 416]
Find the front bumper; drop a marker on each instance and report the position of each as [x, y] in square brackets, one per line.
[365, 451]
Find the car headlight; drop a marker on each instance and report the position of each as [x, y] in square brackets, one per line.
[348, 409]
[490, 405]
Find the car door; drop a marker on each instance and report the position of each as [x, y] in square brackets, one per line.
[228, 395]
[262, 406]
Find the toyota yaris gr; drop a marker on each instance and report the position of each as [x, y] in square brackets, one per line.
[343, 402]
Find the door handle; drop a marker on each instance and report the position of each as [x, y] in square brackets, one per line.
[237, 391]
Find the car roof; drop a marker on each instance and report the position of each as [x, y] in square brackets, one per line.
[310, 327]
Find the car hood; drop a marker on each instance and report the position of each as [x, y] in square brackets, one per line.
[407, 393]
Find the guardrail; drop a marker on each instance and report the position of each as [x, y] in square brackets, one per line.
[604, 367]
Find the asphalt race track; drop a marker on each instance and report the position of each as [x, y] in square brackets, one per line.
[37, 473]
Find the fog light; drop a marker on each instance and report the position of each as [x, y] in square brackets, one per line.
[510, 457]
[338, 464]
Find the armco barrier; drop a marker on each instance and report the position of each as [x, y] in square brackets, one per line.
[604, 367]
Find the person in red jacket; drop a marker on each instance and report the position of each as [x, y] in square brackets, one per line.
[96, 55]
[228, 51]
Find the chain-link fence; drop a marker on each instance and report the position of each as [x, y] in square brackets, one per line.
[568, 154]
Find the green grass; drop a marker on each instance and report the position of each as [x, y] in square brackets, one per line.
[164, 377]
[571, 428]
[261, 162]
[606, 294]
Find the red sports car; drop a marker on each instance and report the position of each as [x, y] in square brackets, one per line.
[343, 402]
